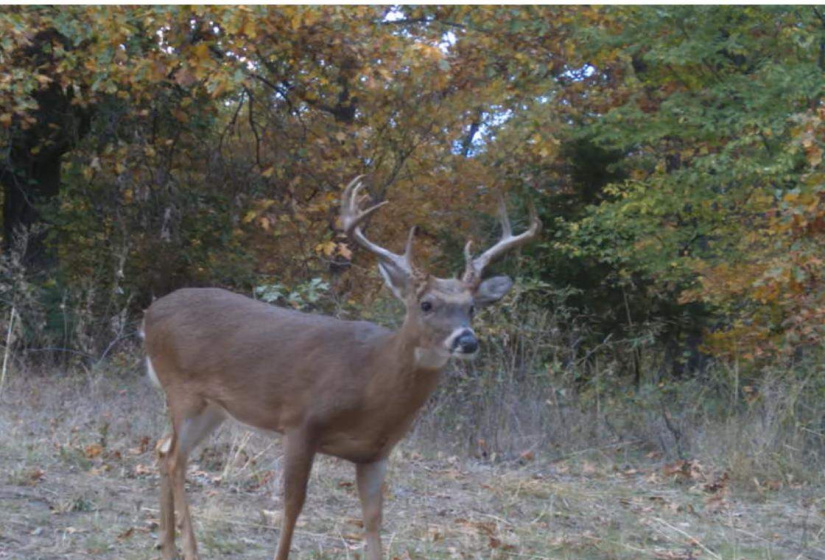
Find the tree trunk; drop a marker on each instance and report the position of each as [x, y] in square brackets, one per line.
[27, 184]
[30, 175]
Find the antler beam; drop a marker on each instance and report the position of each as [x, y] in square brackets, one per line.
[475, 267]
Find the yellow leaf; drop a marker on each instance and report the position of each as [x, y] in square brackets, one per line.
[814, 154]
[268, 172]
[326, 247]
[249, 29]
[251, 215]
[201, 51]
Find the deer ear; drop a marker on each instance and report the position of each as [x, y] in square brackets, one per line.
[492, 290]
[395, 279]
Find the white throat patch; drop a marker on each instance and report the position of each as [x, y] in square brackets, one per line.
[431, 358]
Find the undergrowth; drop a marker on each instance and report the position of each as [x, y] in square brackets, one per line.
[538, 391]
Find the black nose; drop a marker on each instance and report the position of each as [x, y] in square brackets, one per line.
[467, 342]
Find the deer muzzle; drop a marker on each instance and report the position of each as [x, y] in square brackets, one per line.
[464, 342]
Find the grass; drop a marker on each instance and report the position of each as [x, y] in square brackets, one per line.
[79, 481]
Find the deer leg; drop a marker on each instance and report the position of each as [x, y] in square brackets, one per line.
[167, 503]
[185, 437]
[370, 477]
[298, 458]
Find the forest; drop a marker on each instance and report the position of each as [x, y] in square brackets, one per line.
[673, 307]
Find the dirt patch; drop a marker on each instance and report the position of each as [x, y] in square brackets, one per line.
[79, 481]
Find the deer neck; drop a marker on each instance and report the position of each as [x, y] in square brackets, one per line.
[404, 370]
[415, 356]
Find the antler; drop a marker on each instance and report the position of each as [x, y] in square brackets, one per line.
[475, 267]
[351, 218]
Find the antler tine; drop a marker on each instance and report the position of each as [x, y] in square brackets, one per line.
[351, 218]
[408, 246]
[351, 214]
[475, 267]
[468, 259]
[350, 191]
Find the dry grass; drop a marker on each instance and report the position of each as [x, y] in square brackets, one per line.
[78, 481]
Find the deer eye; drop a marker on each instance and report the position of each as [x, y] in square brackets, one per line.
[426, 306]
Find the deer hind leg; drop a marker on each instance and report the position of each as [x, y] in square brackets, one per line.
[167, 503]
[300, 452]
[370, 478]
[189, 428]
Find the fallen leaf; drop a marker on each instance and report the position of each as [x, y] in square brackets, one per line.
[352, 537]
[36, 475]
[93, 450]
[142, 470]
[100, 470]
[718, 484]
[271, 518]
[142, 446]
[685, 470]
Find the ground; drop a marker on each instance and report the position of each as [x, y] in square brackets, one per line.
[79, 481]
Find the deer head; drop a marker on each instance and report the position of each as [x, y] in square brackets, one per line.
[439, 310]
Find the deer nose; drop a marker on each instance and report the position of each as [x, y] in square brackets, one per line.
[467, 342]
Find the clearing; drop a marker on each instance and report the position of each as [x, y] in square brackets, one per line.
[78, 481]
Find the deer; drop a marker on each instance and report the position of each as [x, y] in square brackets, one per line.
[349, 389]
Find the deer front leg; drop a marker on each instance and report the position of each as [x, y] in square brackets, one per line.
[300, 452]
[370, 477]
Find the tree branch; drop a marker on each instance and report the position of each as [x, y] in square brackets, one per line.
[254, 127]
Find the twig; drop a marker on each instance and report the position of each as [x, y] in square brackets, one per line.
[253, 126]
[7, 351]
[597, 448]
[58, 349]
[693, 539]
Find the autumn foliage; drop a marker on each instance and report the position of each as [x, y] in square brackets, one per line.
[675, 155]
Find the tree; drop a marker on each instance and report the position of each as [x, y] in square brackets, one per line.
[707, 113]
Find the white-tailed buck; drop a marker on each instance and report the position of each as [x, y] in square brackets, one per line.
[345, 388]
